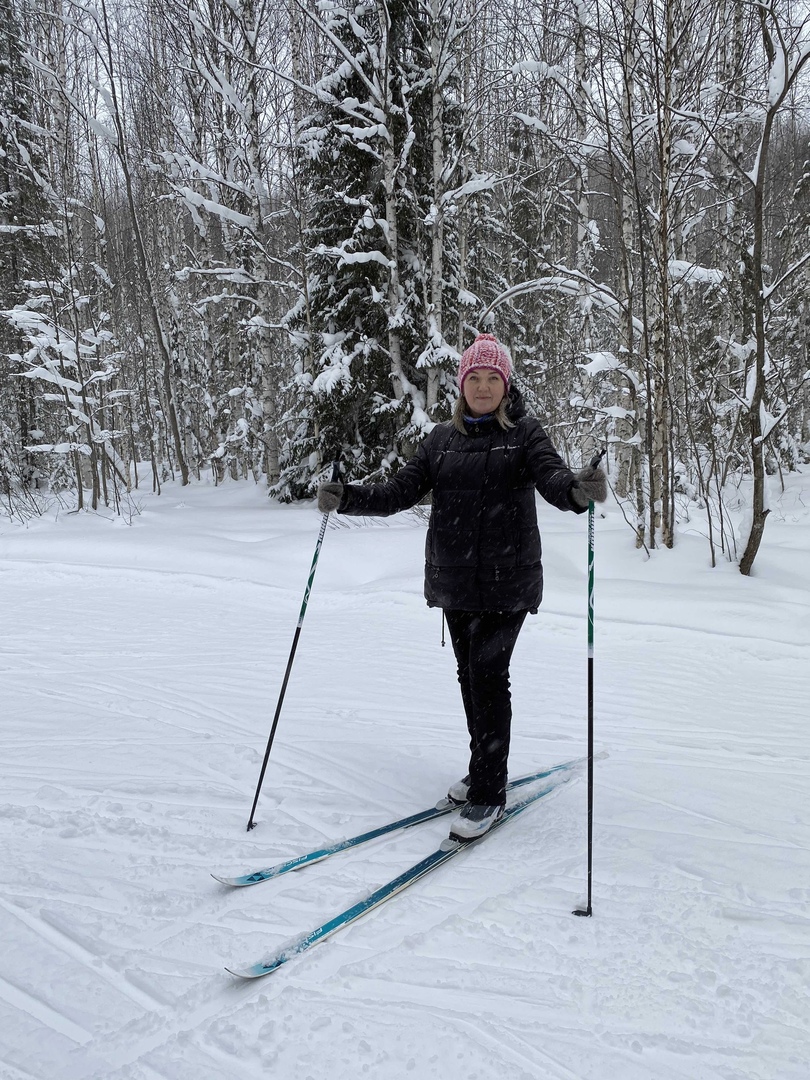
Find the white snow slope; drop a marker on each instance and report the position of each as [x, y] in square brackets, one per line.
[139, 670]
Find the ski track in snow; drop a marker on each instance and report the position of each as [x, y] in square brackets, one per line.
[139, 671]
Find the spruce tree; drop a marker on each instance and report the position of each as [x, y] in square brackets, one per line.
[26, 234]
[368, 345]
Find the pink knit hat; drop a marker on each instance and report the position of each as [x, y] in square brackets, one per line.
[485, 352]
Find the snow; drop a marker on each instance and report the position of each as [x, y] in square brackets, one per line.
[533, 122]
[681, 270]
[541, 68]
[141, 659]
[684, 147]
[42, 230]
[599, 362]
[616, 411]
[349, 258]
[484, 182]
[777, 77]
[193, 198]
[102, 131]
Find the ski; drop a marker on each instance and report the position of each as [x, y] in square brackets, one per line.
[446, 851]
[441, 808]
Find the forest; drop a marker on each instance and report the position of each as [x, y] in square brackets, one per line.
[239, 238]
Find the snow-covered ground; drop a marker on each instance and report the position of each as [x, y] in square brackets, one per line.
[139, 669]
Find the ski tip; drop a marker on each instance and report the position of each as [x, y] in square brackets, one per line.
[255, 972]
[263, 967]
[225, 880]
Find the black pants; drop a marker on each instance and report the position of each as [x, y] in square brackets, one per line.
[483, 642]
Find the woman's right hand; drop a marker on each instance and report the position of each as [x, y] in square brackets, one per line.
[330, 496]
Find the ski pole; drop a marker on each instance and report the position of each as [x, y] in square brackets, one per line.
[588, 910]
[251, 823]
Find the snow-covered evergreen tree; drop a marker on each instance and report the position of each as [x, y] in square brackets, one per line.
[379, 160]
[27, 235]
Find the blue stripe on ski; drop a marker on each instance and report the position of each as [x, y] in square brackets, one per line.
[448, 850]
[253, 878]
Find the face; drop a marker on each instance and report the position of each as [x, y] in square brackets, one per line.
[483, 391]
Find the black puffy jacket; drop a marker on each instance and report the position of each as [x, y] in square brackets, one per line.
[483, 545]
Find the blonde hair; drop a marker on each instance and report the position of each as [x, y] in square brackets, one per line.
[501, 414]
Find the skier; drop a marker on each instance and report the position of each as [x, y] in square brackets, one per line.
[483, 554]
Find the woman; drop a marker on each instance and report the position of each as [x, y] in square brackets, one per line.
[483, 555]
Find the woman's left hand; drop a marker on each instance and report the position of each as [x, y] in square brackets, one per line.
[590, 485]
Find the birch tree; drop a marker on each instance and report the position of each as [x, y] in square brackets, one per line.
[754, 103]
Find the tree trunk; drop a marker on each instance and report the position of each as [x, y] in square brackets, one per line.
[161, 339]
[628, 458]
[756, 388]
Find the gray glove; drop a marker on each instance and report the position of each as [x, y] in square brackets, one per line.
[330, 496]
[589, 484]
